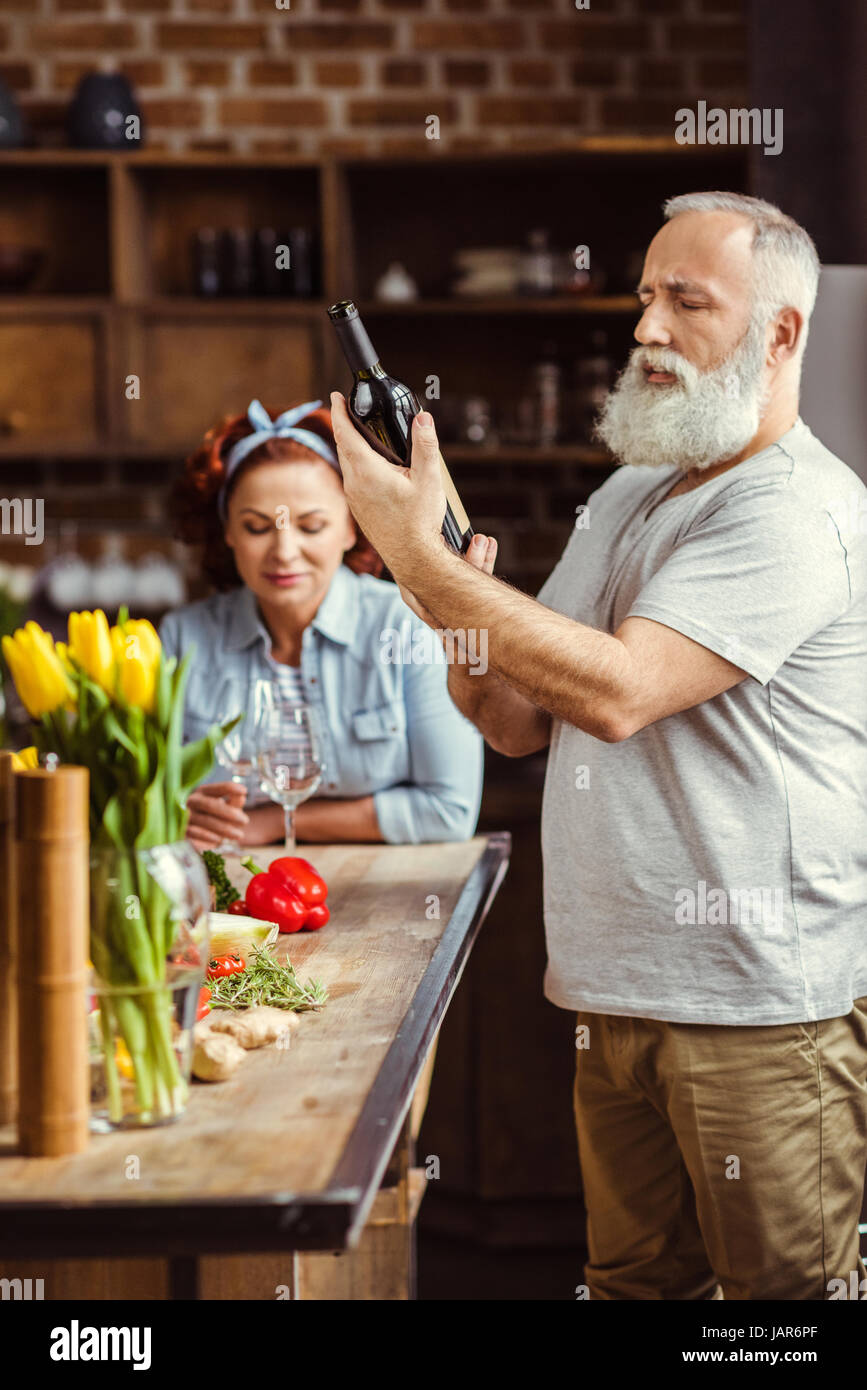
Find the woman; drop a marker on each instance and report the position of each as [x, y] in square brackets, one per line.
[299, 602]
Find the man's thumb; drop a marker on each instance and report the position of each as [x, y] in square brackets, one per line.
[425, 445]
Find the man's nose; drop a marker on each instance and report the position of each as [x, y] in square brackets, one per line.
[652, 329]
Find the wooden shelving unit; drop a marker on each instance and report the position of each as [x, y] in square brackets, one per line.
[115, 297]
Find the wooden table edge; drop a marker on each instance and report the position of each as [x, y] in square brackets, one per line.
[330, 1219]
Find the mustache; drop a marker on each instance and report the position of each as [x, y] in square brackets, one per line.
[663, 359]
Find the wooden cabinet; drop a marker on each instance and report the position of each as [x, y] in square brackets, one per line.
[113, 296]
[196, 366]
[50, 386]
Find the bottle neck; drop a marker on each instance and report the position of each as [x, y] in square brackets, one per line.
[359, 351]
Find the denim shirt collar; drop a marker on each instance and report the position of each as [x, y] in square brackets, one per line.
[336, 617]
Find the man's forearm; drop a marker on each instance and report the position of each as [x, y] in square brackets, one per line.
[507, 721]
[566, 669]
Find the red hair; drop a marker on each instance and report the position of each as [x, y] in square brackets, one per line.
[195, 493]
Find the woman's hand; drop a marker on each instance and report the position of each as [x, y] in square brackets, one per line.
[481, 554]
[216, 814]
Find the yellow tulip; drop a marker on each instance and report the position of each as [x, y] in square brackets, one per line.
[90, 645]
[39, 675]
[137, 653]
[142, 641]
[27, 757]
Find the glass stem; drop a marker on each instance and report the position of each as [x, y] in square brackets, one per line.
[289, 823]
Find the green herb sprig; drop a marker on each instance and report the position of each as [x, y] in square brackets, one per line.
[266, 981]
[225, 890]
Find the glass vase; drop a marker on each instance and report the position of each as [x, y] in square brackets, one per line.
[149, 945]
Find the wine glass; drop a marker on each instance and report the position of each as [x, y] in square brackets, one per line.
[288, 755]
[234, 753]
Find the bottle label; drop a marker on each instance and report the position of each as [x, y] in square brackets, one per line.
[453, 500]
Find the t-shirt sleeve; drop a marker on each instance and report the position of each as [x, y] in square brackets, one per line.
[548, 594]
[752, 579]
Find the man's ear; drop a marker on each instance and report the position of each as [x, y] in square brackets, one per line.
[786, 335]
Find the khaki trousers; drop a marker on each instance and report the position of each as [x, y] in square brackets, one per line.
[723, 1157]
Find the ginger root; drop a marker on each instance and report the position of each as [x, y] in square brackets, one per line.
[215, 1055]
[253, 1027]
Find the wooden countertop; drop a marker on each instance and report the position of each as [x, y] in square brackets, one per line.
[289, 1151]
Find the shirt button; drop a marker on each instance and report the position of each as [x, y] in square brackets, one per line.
[332, 785]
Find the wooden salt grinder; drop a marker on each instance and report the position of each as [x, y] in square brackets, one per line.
[53, 892]
[8, 949]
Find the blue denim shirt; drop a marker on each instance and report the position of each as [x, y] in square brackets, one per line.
[389, 728]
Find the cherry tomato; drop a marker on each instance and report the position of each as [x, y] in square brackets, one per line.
[221, 966]
[239, 908]
[204, 1005]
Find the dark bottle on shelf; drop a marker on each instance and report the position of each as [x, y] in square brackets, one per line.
[302, 259]
[237, 262]
[269, 279]
[383, 409]
[594, 374]
[206, 261]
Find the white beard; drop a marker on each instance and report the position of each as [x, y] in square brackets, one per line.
[695, 422]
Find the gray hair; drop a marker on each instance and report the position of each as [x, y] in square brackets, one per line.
[786, 263]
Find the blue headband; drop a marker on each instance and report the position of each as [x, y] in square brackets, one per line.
[264, 427]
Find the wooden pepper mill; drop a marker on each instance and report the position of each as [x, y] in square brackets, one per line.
[8, 946]
[53, 893]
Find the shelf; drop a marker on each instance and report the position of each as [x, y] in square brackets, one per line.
[63, 305]
[151, 159]
[284, 305]
[269, 306]
[101, 450]
[429, 152]
[520, 304]
[583, 454]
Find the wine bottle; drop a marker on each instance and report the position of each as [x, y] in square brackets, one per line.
[383, 409]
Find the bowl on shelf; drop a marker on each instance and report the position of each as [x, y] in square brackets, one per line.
[19, 266]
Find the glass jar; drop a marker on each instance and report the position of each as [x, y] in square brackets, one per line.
[149, 945]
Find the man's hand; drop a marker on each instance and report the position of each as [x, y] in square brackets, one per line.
[400, 510]
[481, 554]
[216, 815]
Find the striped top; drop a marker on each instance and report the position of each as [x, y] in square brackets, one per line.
[290, 686]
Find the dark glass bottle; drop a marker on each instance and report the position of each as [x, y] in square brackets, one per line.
[383, 409]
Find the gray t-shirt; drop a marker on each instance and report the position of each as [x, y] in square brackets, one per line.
[712, 868]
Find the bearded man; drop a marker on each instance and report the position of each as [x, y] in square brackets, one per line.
[697, 666]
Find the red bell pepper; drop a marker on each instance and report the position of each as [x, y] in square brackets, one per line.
[317, 916]
[270, 900]
[300, 876]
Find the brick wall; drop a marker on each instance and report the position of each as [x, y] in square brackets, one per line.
[362, 75]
